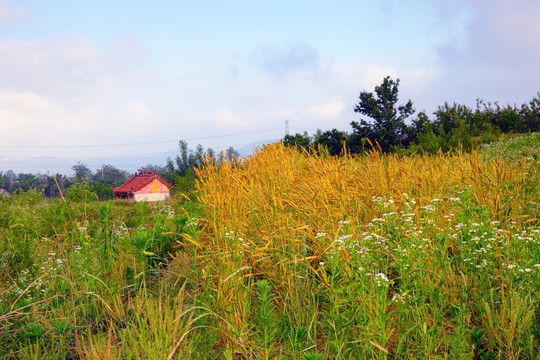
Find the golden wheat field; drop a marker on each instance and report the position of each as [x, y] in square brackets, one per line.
[437, 233]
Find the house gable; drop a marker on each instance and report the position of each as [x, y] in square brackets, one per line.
[154, 191]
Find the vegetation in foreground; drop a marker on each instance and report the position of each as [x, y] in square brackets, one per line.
[288, 255]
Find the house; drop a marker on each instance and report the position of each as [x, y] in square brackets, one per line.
[4, 193]
[144, 186]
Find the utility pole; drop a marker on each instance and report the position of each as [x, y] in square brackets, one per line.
[286, 127]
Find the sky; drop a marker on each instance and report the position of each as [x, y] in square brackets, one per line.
[132, 78]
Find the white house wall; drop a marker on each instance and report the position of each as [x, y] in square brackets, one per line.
[151, 197]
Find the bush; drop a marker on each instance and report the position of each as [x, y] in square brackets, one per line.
[81, 192]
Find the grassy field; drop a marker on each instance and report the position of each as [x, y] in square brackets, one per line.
[285, 256]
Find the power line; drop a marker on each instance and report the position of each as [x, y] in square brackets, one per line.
[84, 157]
[304, 129]
[130, 144]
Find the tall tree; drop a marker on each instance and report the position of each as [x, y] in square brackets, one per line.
[82, 172]
[531, 113]
[53, 187]
[232, 154]
[6, 180]
[152, 167]
[188, 159]
[388, 127]
[110, 174]
[27, 182]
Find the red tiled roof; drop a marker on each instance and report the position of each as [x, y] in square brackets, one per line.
[139, 181]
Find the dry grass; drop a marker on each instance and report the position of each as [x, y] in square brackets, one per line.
[263, 216]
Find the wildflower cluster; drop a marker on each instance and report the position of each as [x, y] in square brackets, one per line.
[405, 240]
[34, 282]
[525, 147]
[166, 209]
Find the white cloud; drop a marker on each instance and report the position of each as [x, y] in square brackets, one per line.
[128, 47]
[27, 115]
[67, 68]
[135, 118]
[66, 91]
[506, 30]
[225, 119]
[493, 52]
[493, 32]
[362, 76]
[11, 14]
[10, 100]
[418, 85]
[329, 111]
[280, 62]
[420, 79]
[70, 68]
[29, 119]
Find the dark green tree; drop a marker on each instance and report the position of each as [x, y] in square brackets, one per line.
[82, 172]
[187, 160]
[110, 175]
[232, 154]
[185, 183]
[455, 126]
[302, 141]
[27, 182]
[6, 180]
[388, 127]
[104, 179]
[332, 140]
[51, 189]
[102, 190]
[418, 126]
[531, 114]
[158, 169]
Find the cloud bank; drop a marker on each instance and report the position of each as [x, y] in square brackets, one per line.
[105, 83]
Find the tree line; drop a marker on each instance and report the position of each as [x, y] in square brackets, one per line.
[383, 125]
[57, 185]
[178, 170]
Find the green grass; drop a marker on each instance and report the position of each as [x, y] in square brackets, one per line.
[399, 276]
[74, 269]
[525, 147]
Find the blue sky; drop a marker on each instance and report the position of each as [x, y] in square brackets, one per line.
[119, 72]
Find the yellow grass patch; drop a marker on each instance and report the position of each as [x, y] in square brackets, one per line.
[265, 217]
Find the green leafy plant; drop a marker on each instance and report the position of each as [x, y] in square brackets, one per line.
[266, 319]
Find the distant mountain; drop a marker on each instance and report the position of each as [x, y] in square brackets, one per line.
[248, 149]
[62, 165]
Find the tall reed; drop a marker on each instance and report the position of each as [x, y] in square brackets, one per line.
[281, 214]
